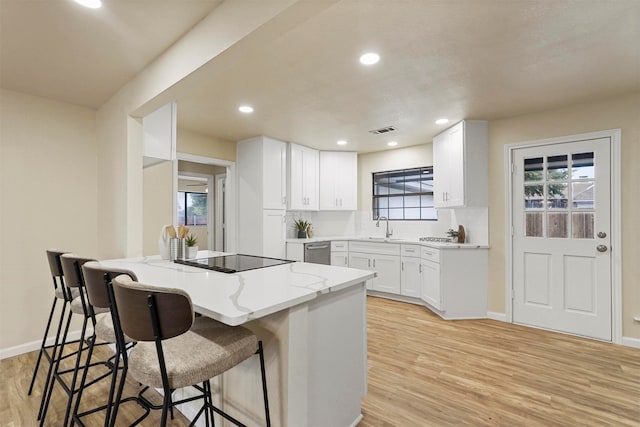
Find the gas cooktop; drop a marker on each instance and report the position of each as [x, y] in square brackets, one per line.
[435, 239]
[233, 263]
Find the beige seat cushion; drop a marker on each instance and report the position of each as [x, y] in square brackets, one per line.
[105, 330]
[205, 351]
[76, 307]
[75, 293]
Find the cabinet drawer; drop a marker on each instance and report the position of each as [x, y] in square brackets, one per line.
[374, 248]
[431, 254]
[339, 245]
[410, 250]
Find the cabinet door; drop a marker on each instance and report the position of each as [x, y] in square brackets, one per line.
[455, 167]
[274, 169]
[328, 175]
[431, 291]
[388, 269]
[448, 170]
[310, 182]
[346, 184]
[361, 262]
[274, 234]
[410, 278]
[339, 259]
[296, 196]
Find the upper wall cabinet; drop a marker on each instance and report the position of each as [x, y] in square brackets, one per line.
[338, 181]
[262, 172]
[460, 166]
[159, 135]
[302, 182]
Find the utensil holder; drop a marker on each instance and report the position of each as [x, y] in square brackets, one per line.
[177, 249]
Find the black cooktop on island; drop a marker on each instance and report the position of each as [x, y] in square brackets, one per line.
[233, 263]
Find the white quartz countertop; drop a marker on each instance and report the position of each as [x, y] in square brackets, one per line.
[240, 297]
[412, 241]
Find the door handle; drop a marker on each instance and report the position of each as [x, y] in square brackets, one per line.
[602, 248]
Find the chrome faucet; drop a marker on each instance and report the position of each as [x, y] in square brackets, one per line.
[389, 233]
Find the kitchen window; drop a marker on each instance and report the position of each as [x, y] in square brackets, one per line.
[192, 208]
[404, 194]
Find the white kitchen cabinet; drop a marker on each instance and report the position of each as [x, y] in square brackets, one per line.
[295, 251]
[340, 253]
[411, 271]
[430, 278]
[159, 135]
[383, 258]
[460, 166]
[338, 180]
[454, 282]
[303, 178]
[275, 230]
[261, 184]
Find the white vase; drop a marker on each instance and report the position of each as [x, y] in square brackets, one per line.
[192, 252]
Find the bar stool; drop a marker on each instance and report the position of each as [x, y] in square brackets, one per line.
[71, 265]
[61, 292]
[176, 351]
[97, 280]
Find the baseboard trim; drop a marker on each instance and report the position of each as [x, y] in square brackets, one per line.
[357, 421]
[631, 342]
[17, 350]
[493, 315]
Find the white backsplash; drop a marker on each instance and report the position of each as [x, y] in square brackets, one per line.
[360, 223]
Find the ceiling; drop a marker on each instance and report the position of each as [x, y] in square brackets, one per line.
[465, 59]
[60, 50]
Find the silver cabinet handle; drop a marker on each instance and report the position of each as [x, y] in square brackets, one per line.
[369, 263]
[402, 268]
[602, 248]
[374, 263]
[602, 234]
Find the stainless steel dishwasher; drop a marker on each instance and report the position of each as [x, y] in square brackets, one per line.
[317, 252]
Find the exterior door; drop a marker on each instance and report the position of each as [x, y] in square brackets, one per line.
[561, 237]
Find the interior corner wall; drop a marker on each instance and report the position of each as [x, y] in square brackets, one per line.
[621, 112]
[48, 199]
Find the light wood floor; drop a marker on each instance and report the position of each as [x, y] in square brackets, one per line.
[424, 371]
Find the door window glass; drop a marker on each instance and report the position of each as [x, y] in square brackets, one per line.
[559, 196]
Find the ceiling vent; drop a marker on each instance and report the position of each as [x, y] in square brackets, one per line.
[383, 130]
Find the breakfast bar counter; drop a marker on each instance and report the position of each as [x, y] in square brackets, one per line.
[312, 321]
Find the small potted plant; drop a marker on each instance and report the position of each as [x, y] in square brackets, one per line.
[302, 226]
[192, 248]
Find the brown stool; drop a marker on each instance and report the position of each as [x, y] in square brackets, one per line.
[71, 268]
[53, 351]
[162, 321]
[97, 280]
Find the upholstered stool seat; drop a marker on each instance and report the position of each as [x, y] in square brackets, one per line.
[77, 308]
[213, 348]
[105, 330]
[59, 292]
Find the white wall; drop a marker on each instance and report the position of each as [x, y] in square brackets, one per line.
[48, 199]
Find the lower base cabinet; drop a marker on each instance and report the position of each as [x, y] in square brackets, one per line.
[368, 256]
[430, 278]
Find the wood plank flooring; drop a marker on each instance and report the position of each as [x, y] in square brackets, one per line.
[424, 371]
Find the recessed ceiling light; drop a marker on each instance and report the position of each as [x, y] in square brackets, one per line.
[342, 142]
[91, 4]
[392, 143]
[442, 121]
[369, 58]
[245, 109]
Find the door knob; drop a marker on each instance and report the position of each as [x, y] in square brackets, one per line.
[602, 248]
[602, 234]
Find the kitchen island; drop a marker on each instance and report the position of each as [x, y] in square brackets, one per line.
[312, 321]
